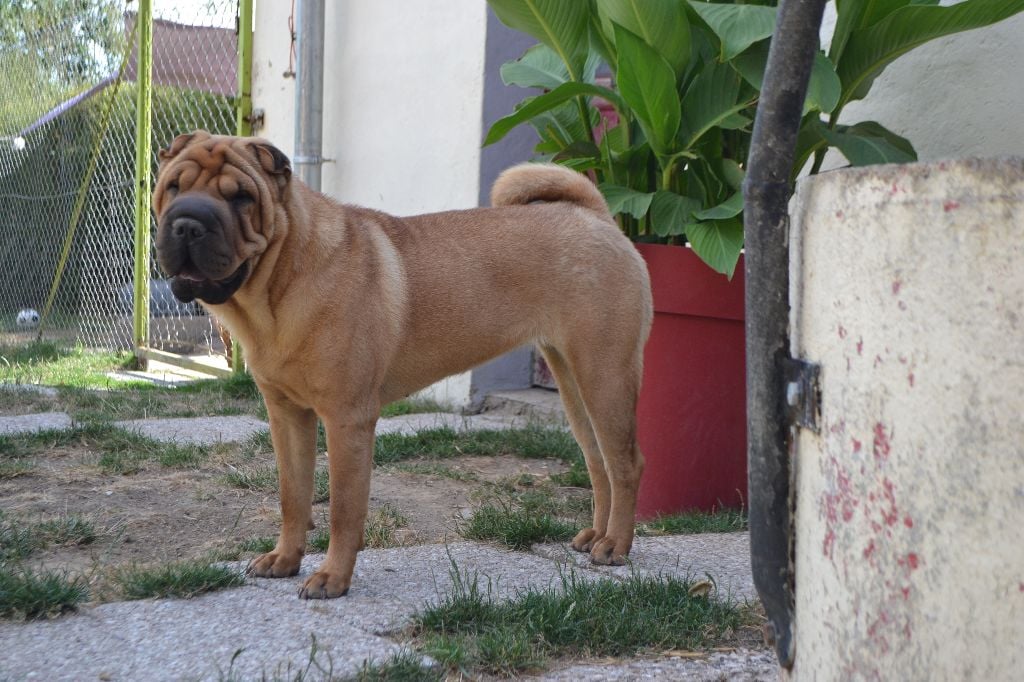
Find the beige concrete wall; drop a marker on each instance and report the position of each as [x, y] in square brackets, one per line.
[908, 284]
[403, 89]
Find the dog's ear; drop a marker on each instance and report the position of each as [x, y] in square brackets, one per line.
[273, 161]
[179, 144]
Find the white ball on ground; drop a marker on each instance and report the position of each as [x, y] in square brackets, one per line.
[28, 318]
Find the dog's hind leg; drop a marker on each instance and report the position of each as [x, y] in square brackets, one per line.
[607, 384]
[579, 422]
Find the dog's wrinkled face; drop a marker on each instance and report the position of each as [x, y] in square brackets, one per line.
[214, 201]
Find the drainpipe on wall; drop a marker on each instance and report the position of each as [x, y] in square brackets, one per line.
[770, 368]
[309, 91]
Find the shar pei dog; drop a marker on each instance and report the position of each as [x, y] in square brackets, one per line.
[342, 309]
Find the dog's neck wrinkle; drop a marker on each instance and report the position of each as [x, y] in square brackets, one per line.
[294, 249]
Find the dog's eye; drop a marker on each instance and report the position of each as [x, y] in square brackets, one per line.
[172, 188]
[242, 198]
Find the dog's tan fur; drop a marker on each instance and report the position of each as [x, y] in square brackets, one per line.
[345, 309]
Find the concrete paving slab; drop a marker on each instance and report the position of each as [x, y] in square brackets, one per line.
[48, 391]
[196, 638]
[30, 423]
[736, 666]
[174, 639]
[413, 423]
[197, 430]
[209, 430]
[390, 585]
[725, 556]
[539, 404]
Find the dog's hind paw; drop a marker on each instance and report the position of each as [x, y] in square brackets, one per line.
[274, 565]
[585, 539]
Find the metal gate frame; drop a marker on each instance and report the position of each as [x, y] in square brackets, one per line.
[143, 182]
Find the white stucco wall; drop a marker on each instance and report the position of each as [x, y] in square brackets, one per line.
[954, 97]
[403, 89]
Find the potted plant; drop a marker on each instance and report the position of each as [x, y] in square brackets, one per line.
[655, 100]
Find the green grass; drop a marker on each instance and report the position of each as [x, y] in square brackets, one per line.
[442, 443]
[379, 531]
[15, 468]
[117, 451]
[405, 666]
[50, 364]
[516, 528]
[411, 406]
[258, 477]
[260, 545]
[720, 521]
[263, 478]
[576, 477]
[20, 539]
[182, 579]
[518, 518]
[605, 618]
[435, 469]
[27, 594]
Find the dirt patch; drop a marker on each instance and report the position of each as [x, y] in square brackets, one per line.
[159, 514]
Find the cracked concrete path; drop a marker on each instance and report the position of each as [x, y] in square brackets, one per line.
[272, 632]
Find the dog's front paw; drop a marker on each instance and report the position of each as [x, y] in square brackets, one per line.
[324, 585]
[585, 539]
[274, 565]
[610, 552]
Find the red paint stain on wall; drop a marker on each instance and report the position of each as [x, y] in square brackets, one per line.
[896, 284]
[842, 332]
[950, 205]
[880, 445]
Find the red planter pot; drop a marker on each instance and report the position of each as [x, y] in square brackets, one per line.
[691, 416]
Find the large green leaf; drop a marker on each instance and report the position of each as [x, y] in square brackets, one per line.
[718, 243]
[853, 15]
[711, 100]
[823, 89]
[737, 26]
[540, 67]
[625, 200]
[729, 208]
[546, 102]
[662, 24]
[672, 213]
[868, 143]
[869, 50]
[648, 85]
[560, 25]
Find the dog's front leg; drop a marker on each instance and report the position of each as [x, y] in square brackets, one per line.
[349, 460]
[293, 432]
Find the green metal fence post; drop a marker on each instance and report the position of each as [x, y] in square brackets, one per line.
[243, 121]
[143, 133]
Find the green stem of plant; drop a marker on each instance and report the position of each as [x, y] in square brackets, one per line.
[581, 103]
[666, 175]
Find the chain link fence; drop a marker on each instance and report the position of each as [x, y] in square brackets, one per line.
[67, 157]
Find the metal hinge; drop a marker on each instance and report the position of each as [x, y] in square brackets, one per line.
[803, 393]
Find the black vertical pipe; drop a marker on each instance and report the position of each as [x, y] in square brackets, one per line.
[766, 191]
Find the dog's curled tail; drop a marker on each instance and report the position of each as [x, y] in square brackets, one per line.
[530, 182]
